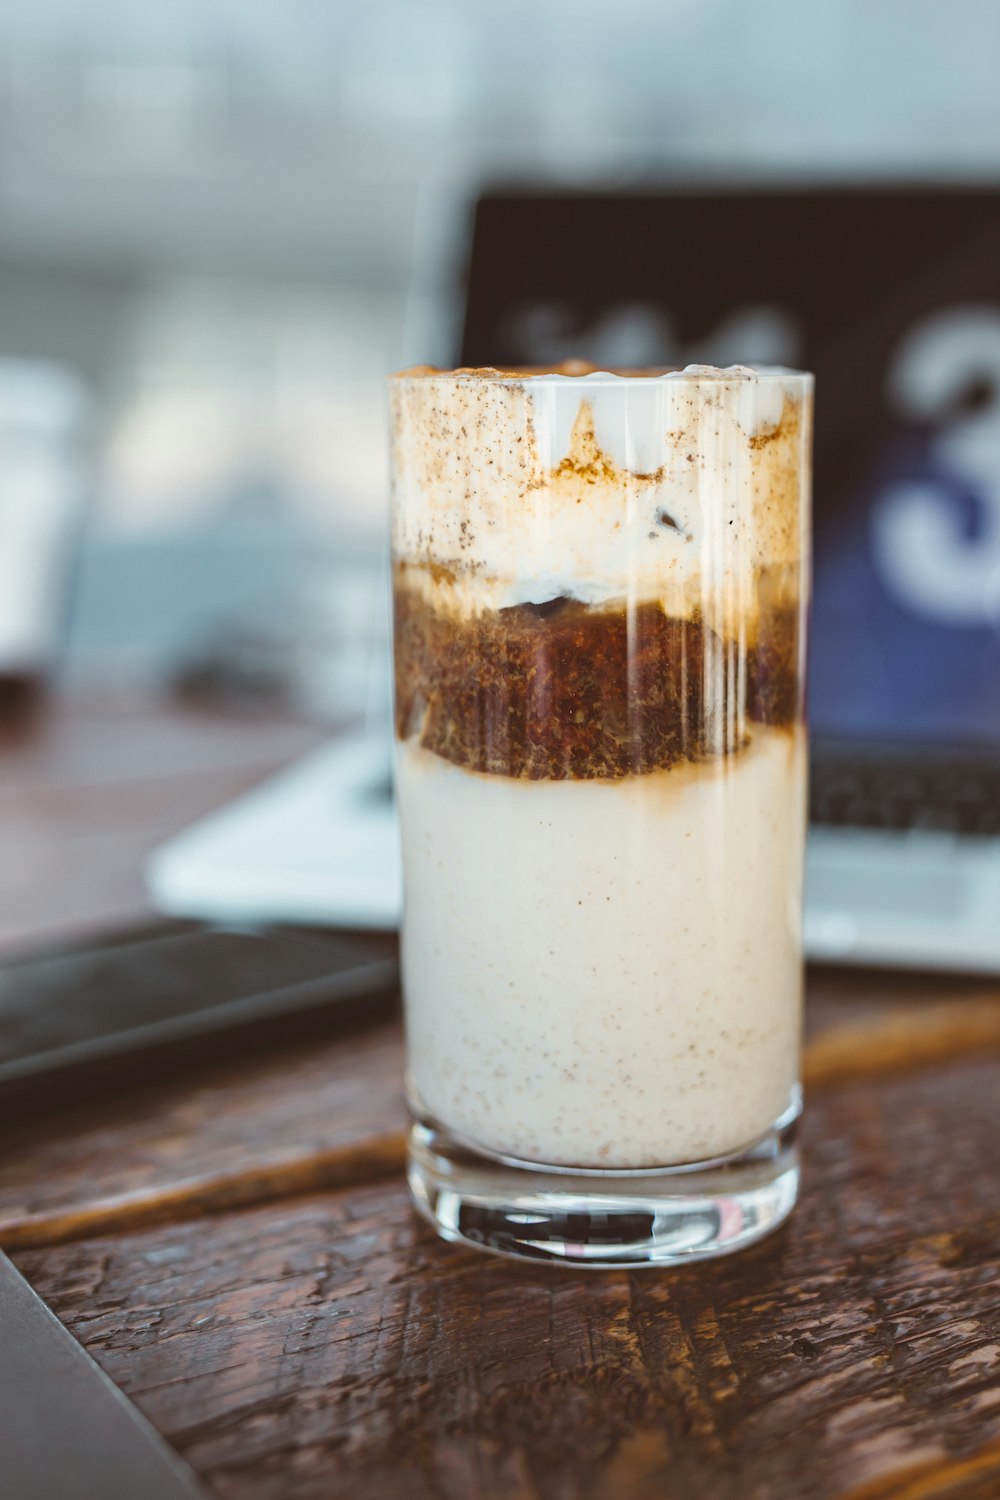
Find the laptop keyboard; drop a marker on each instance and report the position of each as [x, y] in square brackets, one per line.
[952, 796]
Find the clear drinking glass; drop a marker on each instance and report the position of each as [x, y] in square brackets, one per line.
[600, 586]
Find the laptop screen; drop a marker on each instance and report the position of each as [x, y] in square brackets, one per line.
[892, 298]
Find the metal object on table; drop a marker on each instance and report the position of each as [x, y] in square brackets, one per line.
[67, 1430]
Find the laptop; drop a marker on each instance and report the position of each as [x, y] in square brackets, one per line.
[892, 297]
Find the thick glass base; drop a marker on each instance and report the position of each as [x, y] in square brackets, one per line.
[651, 1217]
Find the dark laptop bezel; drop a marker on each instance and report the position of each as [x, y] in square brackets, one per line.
[495, 252]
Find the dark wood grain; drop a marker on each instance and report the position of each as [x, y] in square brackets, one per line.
[246, 1129]
[330, 1346]
[845, 1042]
[324, 1112]
[234, 1243]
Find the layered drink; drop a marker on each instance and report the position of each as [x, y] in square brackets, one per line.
[599, 583]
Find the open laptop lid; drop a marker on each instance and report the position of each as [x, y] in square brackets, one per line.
[892, 297]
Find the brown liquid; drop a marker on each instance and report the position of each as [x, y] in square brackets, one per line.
[562, 690]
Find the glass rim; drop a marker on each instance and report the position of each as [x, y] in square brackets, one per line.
[575, 372]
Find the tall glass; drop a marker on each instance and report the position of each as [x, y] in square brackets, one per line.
[600, 587]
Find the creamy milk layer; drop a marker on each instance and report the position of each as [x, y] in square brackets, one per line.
[605, 973]
[598, 589]
[682, 487]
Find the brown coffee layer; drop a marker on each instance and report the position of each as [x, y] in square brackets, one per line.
[562, 690]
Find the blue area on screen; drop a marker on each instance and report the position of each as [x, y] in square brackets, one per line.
[906, 614]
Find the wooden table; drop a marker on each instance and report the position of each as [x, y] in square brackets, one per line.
[235, 1246]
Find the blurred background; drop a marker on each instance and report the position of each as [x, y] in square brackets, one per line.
[223, 224]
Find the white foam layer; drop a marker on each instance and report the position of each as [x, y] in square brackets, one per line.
[605, 973]
[599, 486]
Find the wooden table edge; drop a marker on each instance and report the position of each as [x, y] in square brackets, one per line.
[840, 1056]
